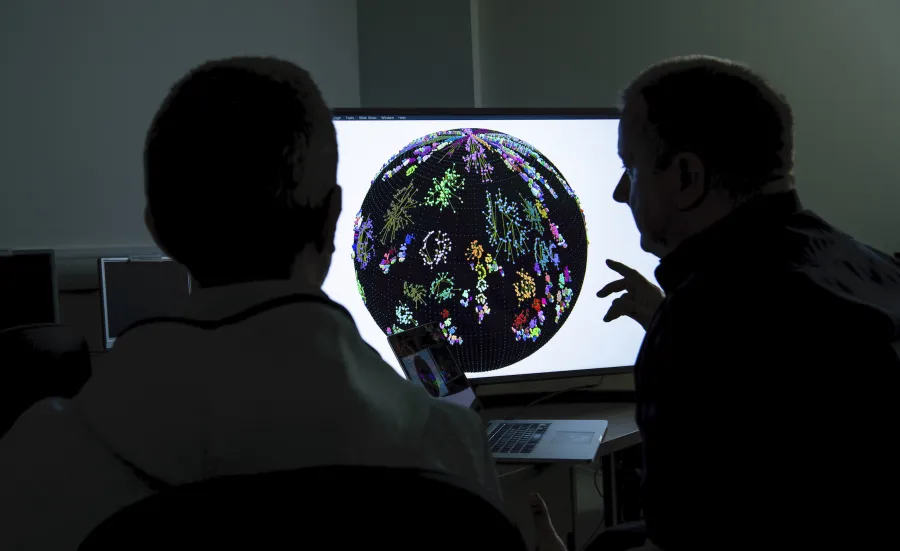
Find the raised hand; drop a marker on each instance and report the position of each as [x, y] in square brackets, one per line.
[641, 298]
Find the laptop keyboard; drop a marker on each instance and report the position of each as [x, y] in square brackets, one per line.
[516, 437]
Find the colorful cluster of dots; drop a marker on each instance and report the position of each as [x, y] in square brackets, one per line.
[471, 205]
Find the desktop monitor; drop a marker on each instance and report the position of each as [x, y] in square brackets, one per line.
[135, 289]
[28, 288]
[497, 225]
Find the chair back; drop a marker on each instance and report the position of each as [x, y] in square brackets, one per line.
[334, 507]
[36, 362]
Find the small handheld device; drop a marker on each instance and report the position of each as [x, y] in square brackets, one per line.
[427, 361]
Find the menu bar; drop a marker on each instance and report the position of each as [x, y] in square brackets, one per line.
[471, 116]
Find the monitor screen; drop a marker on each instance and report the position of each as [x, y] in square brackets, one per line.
[28, 289]
[133, 290]
[497, 226]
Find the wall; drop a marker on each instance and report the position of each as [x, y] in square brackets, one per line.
[415, 54]
[83, 79]
[835, 61]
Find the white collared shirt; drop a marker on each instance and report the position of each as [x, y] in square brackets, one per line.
[239, 391]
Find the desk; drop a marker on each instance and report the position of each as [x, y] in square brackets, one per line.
[558, 483]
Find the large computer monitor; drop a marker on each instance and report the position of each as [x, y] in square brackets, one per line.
[28, 293]
[421, 187]
[138, 288]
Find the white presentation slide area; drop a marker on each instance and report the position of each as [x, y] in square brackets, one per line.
[584, 151]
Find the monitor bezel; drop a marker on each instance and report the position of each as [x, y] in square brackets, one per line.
[603, 113]
[484, 112]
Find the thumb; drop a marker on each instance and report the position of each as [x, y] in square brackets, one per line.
[621, 306]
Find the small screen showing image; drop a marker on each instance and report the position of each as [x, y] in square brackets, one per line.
[427, 361]
[437, 371]
[422, 368]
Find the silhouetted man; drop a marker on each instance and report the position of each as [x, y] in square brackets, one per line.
[766, 381]
[263, 372]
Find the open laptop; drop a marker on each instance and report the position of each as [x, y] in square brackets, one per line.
[427, 361]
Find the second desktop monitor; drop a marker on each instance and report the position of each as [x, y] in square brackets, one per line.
[137, 289]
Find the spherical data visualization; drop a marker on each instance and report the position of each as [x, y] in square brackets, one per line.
[474, 229]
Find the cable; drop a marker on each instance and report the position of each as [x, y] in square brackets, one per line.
[553, 395]
[594, 535]
[597, 486]
[515, 471]
[594, 471]
[600, 526]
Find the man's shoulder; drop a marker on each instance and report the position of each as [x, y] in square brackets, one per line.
[444, 412]
[47, 414]
[788, 310]
[774, 302]
[158, 348]
[157, 337]
[724, 292]
[175, 342]
[801, 265]
[152, 359]
[466, 417]
[455, 438]
[448, 421]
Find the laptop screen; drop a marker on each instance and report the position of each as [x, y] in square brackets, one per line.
[133, 290]
[424, 354]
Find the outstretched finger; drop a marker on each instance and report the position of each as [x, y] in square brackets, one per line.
[622, 306]
[614, 287]
[626, 271]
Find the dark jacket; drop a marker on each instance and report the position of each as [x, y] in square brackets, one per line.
[766, 384]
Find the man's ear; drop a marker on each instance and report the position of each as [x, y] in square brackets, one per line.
[335, 199]
[692, 181]
[150, 223]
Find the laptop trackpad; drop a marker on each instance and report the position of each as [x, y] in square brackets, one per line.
[570, 437]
